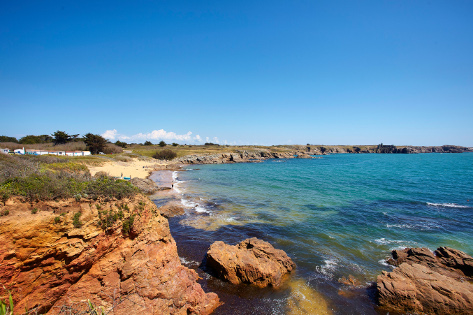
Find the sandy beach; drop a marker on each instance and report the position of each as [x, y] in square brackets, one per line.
[135, 168]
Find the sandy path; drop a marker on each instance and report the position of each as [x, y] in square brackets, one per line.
[135, 168]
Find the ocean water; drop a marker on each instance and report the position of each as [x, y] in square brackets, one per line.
[335, 216]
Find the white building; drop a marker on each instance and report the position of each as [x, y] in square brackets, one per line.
[5, 151]
[45, 152]
[19, 151]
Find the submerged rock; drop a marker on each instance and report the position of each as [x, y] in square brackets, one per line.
[426, 282]
[253, 261]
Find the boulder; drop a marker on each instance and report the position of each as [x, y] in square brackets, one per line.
[172, 209]
[427, 282]
[146, 186]
[253, 261]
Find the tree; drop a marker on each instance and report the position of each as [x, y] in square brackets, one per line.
[121, 144]
[174, 144]
[60, 137]
[95, 143]
[162, 143]
[148, 143]
[8, 139]
[31, 139]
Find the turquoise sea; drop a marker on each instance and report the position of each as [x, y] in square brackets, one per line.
[335, 215]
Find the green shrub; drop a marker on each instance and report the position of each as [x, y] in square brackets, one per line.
[34, 180]
[98, 206]
[110, 187]
[5, 195]
[76, 220]
[165, 154]
[34, 210]
[57, 220]
[4, 213]
[108, 218]
[128, 224]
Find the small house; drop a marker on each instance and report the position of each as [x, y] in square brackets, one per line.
[84, 153]
[5, 151]
[32, 152]
[19, 151]
[70, 153]
[62, 153]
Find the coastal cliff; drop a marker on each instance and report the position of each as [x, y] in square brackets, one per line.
[55, 256]
[305, 152]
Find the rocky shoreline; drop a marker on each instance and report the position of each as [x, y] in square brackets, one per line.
[53, 265]
[309, 151]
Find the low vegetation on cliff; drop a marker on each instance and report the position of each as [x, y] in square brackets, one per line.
[50, 178]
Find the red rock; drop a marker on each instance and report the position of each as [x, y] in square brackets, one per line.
[427, 283]
[252, 261]
[54, 267]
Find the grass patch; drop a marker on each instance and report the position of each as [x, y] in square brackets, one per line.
[67, 167]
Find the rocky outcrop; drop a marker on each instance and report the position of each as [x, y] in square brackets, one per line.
[145, 185]
[252, 261]
[289, 152]
[172, 209]
[238, 157]
[428, 283]
[120, 255]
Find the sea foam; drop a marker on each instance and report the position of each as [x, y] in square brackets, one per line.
[446, 205]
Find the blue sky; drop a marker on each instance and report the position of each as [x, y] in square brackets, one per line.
[240, 72]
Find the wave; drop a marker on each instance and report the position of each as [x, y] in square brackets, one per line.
[328, 268]
[188, 263]
[447, 205]
[176, 182]
[194, 205]
[384, 263]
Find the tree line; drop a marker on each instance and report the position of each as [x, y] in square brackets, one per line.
[95, 143]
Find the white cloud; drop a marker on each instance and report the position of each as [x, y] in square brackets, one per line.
[216, 140]
[110, 134]
[160, 134]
